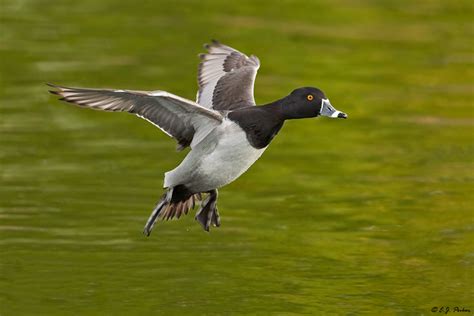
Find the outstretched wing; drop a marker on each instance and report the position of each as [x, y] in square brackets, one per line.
[180, 118]
[226, 78]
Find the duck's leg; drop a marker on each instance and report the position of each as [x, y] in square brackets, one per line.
[208, 213]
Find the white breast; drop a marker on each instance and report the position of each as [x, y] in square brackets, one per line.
[218, 160]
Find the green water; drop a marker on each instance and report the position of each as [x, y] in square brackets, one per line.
[370, 215]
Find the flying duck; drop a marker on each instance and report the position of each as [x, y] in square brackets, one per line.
[224, 128]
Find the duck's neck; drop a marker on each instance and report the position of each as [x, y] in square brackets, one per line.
[260, 123]
[275, 109]
[283, 109]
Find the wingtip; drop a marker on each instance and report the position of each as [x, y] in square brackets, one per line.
[52, 85]
[55, 86]
[213, 43]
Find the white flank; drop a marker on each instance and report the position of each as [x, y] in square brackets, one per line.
[217, 160]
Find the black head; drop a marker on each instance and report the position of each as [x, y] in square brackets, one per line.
[309, 102]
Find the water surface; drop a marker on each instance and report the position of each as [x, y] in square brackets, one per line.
[370, 215]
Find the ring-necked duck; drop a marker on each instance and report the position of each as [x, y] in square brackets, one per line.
[227, 133]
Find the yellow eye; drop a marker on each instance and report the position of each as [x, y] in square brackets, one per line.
[310, 97]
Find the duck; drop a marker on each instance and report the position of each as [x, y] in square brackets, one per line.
[224, 128]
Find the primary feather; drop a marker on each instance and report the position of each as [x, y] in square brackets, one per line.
[226, 78]
[182, 119]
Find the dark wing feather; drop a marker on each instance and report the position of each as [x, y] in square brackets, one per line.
[226, 78]
[180, 118]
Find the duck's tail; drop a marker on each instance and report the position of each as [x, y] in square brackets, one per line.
[170, 207]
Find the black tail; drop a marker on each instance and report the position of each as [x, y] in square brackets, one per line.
[167, 208]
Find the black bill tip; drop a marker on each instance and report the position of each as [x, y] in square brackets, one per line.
[342, 115]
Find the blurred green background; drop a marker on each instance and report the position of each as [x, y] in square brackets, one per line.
[370, 215]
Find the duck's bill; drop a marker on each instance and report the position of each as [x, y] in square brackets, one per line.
[328, 110]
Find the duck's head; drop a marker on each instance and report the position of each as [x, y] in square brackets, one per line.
[309, 102]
